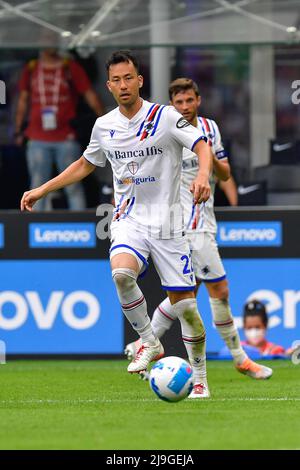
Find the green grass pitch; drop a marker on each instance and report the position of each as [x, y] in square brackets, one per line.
[98, 405]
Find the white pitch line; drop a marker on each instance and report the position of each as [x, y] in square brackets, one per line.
[134, 400]
[258, 399]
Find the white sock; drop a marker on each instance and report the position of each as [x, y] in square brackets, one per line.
[223, 320]
[193, 335]
[163, 318]
[133, 303]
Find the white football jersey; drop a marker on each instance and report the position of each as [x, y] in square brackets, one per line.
[200, 217]
[145, 154]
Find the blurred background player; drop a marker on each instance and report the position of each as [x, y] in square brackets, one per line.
[141, 139]
[229, 191]
[50, 86]
[201, 229]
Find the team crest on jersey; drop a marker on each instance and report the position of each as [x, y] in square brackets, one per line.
[149, 126]
[112, 133]
[133, 167]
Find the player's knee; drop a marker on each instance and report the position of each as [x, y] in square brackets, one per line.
[187, 311]
[125, 279]
[219, 291]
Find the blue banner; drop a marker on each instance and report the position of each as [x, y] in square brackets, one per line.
[66, 235]
[59, 306]
[235, 234]
[276, 282]
[62, 306]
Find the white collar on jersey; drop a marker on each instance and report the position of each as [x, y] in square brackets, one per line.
[137, 116]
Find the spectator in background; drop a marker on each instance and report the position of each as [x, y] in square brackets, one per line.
[50, 87]
[255, 324]
[255, 321]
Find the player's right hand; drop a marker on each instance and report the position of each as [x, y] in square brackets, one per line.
[30, 198]
[121, 210]
[200, 188]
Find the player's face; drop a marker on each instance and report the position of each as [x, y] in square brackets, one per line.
[124, 83]
[187, 103]
[254, 330]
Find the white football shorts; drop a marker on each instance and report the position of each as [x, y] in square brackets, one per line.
[171, 258]
[207, 263]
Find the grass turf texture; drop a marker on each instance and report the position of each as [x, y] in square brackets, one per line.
[98, 405]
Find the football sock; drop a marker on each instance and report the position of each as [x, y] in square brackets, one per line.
[133, 303]
[193, 335]
[163, 318]
[223, 320]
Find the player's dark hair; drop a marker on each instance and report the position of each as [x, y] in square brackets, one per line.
[118, 57]
[255, 308]
[182, 84]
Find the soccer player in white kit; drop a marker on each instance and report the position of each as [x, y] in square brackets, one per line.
[201, 228]
[143, 142]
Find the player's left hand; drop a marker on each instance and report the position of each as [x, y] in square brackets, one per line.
[200, 188]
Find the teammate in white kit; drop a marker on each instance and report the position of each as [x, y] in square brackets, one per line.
[143, 142]
[201, 228]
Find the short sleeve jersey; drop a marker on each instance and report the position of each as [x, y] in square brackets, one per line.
[145, 154]
[200, 217]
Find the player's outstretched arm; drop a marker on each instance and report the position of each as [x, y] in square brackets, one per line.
[230, 190]
[72, 174]
[200, 187]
